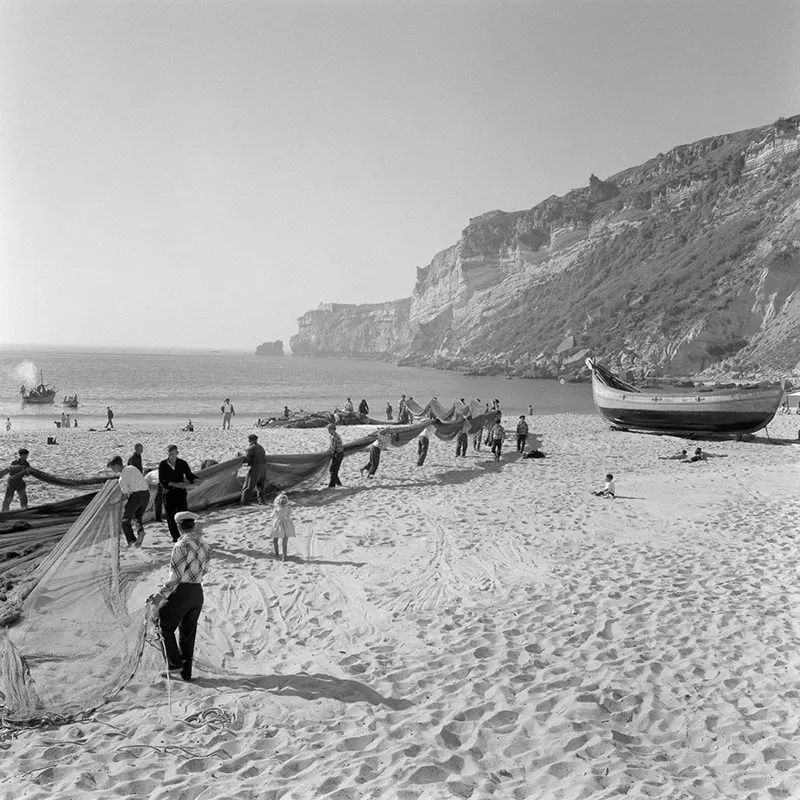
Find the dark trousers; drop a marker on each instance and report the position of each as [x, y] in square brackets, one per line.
[461, 444]
[134, 509]
[19, 488]
[336, 462]
[174, 501]
[422, 450]
[181, 611]
[497, 449]
[254, 484]
[476, 442]
[372, 465]
[521, 437]
[158, 503]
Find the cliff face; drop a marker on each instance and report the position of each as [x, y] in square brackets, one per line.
[687, 263]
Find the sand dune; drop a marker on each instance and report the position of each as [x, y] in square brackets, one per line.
[466, 630]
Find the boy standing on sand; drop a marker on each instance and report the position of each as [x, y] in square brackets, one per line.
[109, 418]
[522, 434]
[228, 411]
[498, 434]
[422, 447]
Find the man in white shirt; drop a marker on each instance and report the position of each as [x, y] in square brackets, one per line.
[136, 493]
[227, 412]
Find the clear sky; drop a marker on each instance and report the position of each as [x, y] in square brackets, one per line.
[201, 173]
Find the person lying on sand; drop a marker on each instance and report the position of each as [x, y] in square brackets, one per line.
[677, 457]
[699, 455]
[534, 454]
[609, 490]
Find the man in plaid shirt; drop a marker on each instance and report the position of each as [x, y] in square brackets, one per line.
[180, 601]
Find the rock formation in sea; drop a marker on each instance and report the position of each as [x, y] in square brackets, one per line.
[270, 348]
[686, 264]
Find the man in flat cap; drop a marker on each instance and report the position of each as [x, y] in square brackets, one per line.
[16, 474]
[180, 600]
[254, 483]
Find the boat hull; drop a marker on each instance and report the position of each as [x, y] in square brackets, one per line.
[722, 412]
[38, 401]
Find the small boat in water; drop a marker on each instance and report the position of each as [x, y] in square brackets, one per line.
[39, 395]
[710, 412]
[71, 401]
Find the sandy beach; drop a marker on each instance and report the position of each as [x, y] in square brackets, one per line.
[466, 629]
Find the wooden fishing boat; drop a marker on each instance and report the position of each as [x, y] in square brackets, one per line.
[713, 412]
[38, 395]
[71, 401]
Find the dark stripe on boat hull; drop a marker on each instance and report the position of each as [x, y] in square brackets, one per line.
[727, 422]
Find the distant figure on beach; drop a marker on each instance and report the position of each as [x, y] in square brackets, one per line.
[381, 443]
[136, 494]
[462, 440]
[17, 471]
[189, 426]
[228, 411]
[254, 483]
[422, 447]
[69, 424]
[348, 406]
[180, 601]
[282, 525]
[498, 436]
[363, 408]
[609, 490]
[175, 477]
[286, 412]
[682, 456]
[136, 457]
[336, 450]
[522, 434]
[8, 424]
[110, 418]
[403, 414]
[388, 411]
[530, 410]
[75, 423]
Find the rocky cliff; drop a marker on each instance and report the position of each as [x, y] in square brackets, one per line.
[688, 263]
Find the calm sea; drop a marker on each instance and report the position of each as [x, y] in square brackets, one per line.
[160, 389]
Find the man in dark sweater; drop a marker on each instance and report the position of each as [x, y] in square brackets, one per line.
[136, 459]
[175, 476]
[16, 480]
[256, 459]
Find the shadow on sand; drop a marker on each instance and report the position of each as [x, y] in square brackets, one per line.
[309, 687]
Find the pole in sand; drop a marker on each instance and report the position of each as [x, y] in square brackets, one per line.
[562, 382]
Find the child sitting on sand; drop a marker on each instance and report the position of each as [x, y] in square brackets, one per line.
[282, 525]
[609, 490]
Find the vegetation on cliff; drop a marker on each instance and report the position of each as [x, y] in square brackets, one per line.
[686, 263]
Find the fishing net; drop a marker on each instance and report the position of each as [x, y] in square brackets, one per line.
[76, 644]
[82, 626]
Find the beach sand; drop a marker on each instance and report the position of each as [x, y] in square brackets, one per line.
[466, 629]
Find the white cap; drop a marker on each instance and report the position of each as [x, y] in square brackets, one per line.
[182, 515]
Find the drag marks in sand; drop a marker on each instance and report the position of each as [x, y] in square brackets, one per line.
[503, 634]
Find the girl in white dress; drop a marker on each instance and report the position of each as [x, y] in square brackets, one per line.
[282, 525]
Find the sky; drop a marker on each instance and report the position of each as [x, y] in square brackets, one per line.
[200, 173]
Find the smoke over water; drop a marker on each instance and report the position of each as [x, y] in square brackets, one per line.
[26, 372]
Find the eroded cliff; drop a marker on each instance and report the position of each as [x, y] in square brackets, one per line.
[686, 263]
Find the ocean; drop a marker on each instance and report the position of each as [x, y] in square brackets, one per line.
[165, 389]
